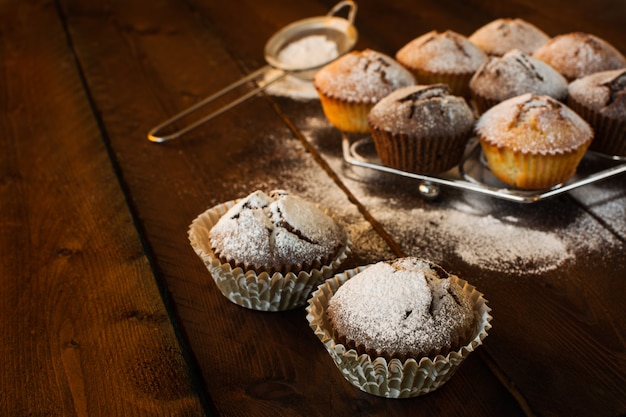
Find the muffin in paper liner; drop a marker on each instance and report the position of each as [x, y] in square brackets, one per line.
[457, 81]
[347, 116]
[264, 292]
[609, 133]
[396, 378]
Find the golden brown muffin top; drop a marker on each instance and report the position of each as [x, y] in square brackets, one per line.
[362, 76]
[502, 35]
[577, 54]
[425, 110]
[517, 73]
[446, 52]
[406, 306]
[604, 92]
[535, 125]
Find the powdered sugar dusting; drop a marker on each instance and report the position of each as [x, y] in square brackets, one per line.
[422, 110]
[276, 230]
[502, 35]
[308, 52]
[517, 73]
[289, 86]
[442, 52]
[603, 91]
[362, 76]
[402, 306]
[534, 124]
[577, 54]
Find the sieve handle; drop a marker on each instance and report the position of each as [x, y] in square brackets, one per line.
[337, 7]
[155, 134]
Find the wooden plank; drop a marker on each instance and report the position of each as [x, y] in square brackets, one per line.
[84, 327]
[253, 363]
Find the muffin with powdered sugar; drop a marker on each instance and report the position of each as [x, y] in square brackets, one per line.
[268, 251]
[398, 328]
[513, 74]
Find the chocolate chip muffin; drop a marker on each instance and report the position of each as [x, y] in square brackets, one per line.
[421, 129]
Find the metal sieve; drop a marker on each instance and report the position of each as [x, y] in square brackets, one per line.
[338, 30]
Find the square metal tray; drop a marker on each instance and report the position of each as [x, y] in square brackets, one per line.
[472, 173]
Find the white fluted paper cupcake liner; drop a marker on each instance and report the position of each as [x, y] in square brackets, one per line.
[264, 292]
[393, 379]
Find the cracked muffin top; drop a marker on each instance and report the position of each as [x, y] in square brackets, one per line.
[517, 73]
[502, 35]
[408, 307]
[447, 52]
[276, 232]
[423, 110]
[578, 54]
[362, 76]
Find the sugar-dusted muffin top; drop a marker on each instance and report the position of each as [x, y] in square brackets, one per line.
[603, 92]
[446, 52]
[534, 124]
[502, 35]
[577, 54]
[406, 307]
[516, 73]
[362, 76]
[276, 232]
[423, 110]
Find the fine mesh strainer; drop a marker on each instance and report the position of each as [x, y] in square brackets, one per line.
[340, 31]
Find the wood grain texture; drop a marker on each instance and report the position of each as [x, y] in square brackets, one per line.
[88, 330]
[84, 327]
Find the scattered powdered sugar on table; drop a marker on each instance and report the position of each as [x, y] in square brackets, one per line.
[289, 86]
[487, 242]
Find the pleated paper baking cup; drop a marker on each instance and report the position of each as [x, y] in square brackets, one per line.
[609, 134]
[396, 378]
[420, 155]
[346, 116]
[264, 292]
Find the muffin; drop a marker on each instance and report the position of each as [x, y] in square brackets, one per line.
[513, 74]
[600, 99]
[533, 142]
[447, 57]
[350, 86]
[268, 251]
[421, 129]
[576, 55]
[398, 328]
[500, 36]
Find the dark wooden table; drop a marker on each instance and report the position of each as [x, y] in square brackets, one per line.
[106, 310]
